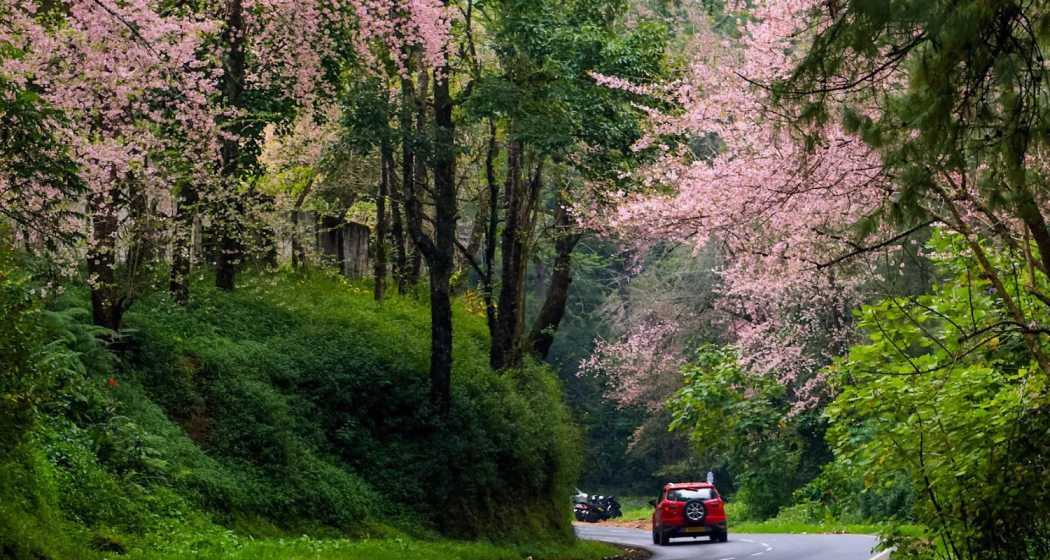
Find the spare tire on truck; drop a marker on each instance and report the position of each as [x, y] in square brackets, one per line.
[694, 511]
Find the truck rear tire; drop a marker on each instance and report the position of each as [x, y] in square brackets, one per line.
[664, 539]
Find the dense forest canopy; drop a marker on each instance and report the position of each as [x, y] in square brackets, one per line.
[800, 244]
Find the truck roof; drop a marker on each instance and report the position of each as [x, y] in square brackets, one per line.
[677, 485]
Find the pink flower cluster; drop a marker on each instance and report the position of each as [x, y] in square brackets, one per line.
[777, 207]
[640, 366]
[130, 85]
[403, 28]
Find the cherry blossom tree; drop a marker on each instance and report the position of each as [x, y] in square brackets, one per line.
[277, 56]
[137, 118]
[397, 39]
[750, 180]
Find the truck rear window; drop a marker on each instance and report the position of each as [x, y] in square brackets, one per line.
[686, 494]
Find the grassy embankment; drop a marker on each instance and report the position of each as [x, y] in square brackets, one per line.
[288, 419]
[636, 510]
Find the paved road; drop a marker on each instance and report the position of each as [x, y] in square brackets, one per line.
[740, 546]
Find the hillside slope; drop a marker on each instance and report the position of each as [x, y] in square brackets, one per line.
[293, 406]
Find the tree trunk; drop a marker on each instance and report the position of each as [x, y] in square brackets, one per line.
[442, 261]
[182, 245]
[407, 177]
[415, 264]
[519, 203]
[298, 250]
[397, 231]
[546, 324]
[142, 249]
[438, 249]
[386, 173]
[492, 227]
[230, 243]
[420, 172]
[107, 306]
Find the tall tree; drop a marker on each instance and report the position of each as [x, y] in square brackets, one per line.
[416, 37]
[234, 61]
[440, 253]
[542, 95]
[145, 125]
[277, 57]
[566, 236]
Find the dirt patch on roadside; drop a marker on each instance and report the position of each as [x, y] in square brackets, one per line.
[630, 553]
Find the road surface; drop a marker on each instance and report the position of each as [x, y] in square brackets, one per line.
[740, 546]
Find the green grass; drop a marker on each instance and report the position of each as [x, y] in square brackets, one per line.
[287, 419]
[797, 527]
[229, 546]
[637, 508]
[794, 520]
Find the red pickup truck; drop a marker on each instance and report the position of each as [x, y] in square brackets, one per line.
[689, 509]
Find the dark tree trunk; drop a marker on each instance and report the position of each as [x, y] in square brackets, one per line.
[407, 177]
[1029, 212]
[440, 335]
[397, 232]
[143, 234]
[438, 249]
[492, 227]
[386, 174]
[442, 260]
[420, 183]
[519, 202]
[230, 243]
[107, 304]
[182, 245]
[546, 324]
[298, 251]
[415, 264]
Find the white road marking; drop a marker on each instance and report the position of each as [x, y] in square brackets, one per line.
[758, 554]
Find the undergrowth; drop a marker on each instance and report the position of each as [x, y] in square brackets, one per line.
[274, 421]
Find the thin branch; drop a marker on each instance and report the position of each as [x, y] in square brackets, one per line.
[861, 250]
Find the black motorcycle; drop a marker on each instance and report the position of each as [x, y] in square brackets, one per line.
[592, 508]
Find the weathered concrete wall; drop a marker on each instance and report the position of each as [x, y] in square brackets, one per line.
[355, 250]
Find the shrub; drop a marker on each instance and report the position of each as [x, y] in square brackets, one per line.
[294, 404]
[323, 394]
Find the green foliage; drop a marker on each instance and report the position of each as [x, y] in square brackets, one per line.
[739, 423]
[224, 545]
[295, 405]
[811, 518]
[44, 353]
[293, 374]
[35, 162]
[943, 393]
[543, 86]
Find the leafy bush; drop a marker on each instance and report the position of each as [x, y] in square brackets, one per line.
[305, 381]
[943, 392]
[741, 423]
[296, 404]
